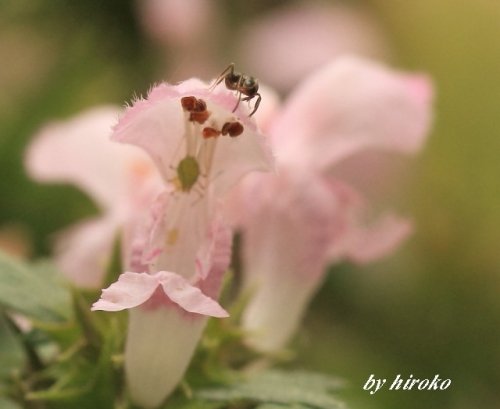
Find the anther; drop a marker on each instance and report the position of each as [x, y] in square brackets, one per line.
[188, 103]
[209, 132]
[199, 117]
[200, 106]
[197, 109]
[232, 129]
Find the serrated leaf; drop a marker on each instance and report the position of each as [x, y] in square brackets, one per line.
[280, 388]
[32, 290]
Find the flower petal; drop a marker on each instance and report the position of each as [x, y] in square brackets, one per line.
[131, 290]
[83, 251]
[377, 240]
[159, 125]
[320, 31]
[189, 297]
[160, 344]
[134, 289]
[352, 105]
[268, 108]
[177, 22]
[213, 258]
[79, 151]
[287, 236]
[178, 228]
[274, 312]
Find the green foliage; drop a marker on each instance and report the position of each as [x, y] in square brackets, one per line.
[275, 389]
[8, 404]
[34, 291]
[87, 378]
[72, 358]
[69, 357]
[11, 353]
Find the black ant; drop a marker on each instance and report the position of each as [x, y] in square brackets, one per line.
[242, 83]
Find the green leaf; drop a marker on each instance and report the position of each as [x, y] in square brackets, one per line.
[86, 320]
[85, 380]
[33, 290]
[281, 406]
[115, 267]
[11, 352]
[280, 388]
[7, 404]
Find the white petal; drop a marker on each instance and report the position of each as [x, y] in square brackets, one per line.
[160, 344]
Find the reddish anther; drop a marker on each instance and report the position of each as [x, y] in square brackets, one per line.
[209, 132]
[200, 106]
[232, 129]
[199, 117]
[197, 109]
[193, 104]
[188, 103]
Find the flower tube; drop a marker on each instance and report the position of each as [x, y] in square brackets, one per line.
[167, 315]
[307, 216]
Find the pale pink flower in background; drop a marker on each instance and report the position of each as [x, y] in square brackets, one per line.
[121, 180]
[176, 22]
[177, 259]
[297, 222]
[286, 45]
[188, 33]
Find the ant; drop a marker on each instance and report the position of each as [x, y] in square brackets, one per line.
[242, 83]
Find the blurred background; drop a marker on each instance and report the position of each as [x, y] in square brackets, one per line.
[433, 307]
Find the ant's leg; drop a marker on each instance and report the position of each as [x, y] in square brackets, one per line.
[237, 103]
[229, 69]
[256, 105]
[248, 98]
[238, 87]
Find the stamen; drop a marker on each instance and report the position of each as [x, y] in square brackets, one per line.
[200, 142]
[200, 106]
[200, 117]
[232, 129]
[209, 132]
[197, 109]
[188, 103]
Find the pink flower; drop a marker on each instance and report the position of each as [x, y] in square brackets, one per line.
[177, 22]
[201, 149]
[178, 257]
[120, 179]
[269, 46]
[187, 33]
[167, 316]
[190, 120]
[299, 221]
